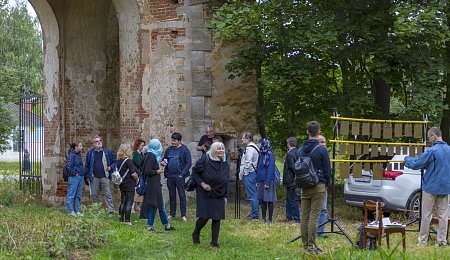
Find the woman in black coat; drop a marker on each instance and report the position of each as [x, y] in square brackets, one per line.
[153, 198]
[127, 187]
[211, 175]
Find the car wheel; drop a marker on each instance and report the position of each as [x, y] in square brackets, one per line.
[413, 206]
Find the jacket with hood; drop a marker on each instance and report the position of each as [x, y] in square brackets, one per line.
[320, 159]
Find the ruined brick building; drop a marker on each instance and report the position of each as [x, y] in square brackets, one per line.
[134, 68]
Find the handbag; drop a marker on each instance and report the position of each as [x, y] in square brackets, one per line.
[190, 184]
[115, 176]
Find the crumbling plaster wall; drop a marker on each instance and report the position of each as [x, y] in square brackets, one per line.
[134, 68]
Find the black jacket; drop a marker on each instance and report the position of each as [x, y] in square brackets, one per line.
[320, 159]
[288, 168]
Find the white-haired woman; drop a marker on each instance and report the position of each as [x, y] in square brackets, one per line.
[127, 187]
[211, 175]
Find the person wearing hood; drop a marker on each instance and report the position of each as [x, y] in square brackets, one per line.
[153, 198]
[312, 198]
[75, 180]
[267, 187]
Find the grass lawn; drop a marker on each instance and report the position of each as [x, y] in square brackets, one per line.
[9, 168]
[33, 230]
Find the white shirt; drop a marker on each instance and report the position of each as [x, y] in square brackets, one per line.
[249, 160]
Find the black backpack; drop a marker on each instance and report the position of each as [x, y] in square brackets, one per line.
[305, 174]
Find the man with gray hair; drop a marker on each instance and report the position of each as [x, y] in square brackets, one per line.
[208, 137]
[100, 162]
[435, 185]
[292, 200]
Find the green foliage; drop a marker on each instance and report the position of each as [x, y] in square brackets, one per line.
[21, 53]
[9, 191]
[7, 125]
[320, 55]
[21, 60]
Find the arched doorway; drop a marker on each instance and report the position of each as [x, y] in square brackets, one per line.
[88, 67]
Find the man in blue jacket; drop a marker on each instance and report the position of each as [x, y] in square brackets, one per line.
[435, 185]
[312, 198]
[100, 162]
[178, 158]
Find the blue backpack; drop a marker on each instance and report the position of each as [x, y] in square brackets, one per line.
[141, 185]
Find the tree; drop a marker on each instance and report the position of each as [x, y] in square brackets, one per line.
[358, 56]
[21, 60]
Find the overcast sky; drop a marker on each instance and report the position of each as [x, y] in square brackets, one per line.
[29, 7]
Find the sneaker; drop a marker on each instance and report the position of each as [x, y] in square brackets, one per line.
[269, 222]
[150, 228]
[79, 214]
[128, 223]
[184, 218]
[422, 244]
[170, 217]
[442, 243]
[73, 214]
[318, 251]
[166, 229]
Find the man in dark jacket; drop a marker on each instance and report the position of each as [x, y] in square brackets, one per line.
[179, 161]
[100, 162]
[312, 198]
[292, 202]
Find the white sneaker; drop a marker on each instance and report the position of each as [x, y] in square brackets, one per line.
[183, 218]
[170, 217]
[79, 214]
[73, 214]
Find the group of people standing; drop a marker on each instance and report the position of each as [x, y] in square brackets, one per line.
[258, 170]
[210, 173]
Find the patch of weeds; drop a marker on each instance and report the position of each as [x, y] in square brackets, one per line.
[9, 191]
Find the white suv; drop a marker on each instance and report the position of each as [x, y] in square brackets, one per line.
[399, 189]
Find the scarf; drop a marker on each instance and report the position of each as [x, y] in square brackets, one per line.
[266, 151]
[155, 147]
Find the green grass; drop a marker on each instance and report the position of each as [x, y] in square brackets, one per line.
[9, 168]
[30, 230]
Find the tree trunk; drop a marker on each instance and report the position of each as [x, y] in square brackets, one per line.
[382, 97]
[445, 121]
[260, 106]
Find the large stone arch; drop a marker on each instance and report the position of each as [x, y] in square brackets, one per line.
[134, 68]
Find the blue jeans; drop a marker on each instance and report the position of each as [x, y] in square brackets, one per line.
[174, 184]
[74, 192]
[323, 216]
[250, 187]
[292, 204]
[152, 215]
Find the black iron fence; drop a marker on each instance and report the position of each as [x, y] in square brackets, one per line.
[31, 141]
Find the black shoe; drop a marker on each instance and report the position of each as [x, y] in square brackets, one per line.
[196, 238]
[169, 229]
[215, 245]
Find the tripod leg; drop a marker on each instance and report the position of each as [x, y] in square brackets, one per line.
[343, 232]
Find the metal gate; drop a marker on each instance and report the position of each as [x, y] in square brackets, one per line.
[31, 134]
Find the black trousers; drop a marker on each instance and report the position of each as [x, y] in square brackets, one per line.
[215, 228]
[126, 203]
